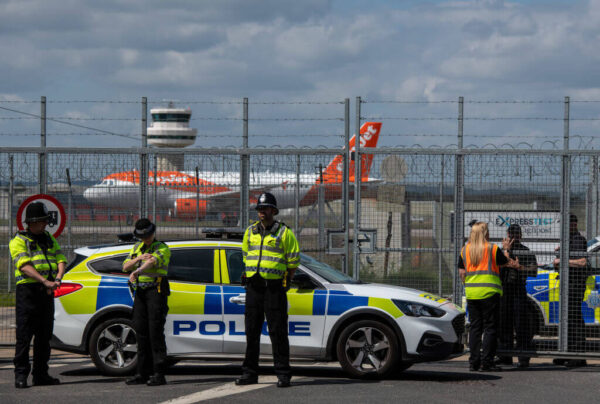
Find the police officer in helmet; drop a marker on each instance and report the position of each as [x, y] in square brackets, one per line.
[147, 262]
[39, 268]
[271, 255]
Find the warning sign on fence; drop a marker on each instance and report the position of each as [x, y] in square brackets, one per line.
[58, 218]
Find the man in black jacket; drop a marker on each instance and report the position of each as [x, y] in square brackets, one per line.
[514, 304]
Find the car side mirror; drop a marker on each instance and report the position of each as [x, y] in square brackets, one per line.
[303, 281]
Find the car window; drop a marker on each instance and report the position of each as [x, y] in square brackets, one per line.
[76, 261]
[192, 265]
[235, 265]
[109, 265]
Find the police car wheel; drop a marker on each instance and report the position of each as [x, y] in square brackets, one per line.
[367, 348]
[113, 347]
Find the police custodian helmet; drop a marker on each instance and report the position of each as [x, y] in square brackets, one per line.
[144, 228]
[267, 199]
[36, 212]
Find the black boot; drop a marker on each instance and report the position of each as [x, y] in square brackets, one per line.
[246, 379]
[156, 379]
[137, 379]
[21, 383]
[45, 380]
[283, 382]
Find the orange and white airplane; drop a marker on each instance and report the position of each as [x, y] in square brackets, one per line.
[219, 192]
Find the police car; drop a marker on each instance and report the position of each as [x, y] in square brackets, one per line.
[371, 329]
[544, 295]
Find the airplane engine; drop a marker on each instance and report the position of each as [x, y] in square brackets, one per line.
[187, 208]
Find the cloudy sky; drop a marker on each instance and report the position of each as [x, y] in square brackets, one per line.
[309, 50]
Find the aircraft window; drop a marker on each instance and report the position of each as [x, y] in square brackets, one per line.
[192, 265]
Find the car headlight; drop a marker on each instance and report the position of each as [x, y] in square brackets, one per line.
[417, 309]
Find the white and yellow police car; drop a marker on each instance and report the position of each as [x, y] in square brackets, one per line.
[371, 329]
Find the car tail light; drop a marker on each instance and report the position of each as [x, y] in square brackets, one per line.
[66, 288]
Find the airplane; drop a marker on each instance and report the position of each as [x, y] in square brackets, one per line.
[219, 192]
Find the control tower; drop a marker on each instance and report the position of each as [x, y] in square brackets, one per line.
[170, 127]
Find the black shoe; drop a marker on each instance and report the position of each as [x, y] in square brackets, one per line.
[283, 382]
[45, 380]
[473, 368]
[522, 365]
[491, 368]
[575, 363]
[503, 361]
[21, 383]
[245, 380]
[137, 379]
[156, 380]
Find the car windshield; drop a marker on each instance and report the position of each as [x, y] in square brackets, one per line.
[592, 242]
[325, 271]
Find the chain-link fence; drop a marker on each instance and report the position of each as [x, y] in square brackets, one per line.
[415, 206]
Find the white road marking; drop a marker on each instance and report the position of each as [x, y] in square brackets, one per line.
[51, 365]
[223, 391]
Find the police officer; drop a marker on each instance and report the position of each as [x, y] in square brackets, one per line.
[271, 254]
[513, 304]
[148, 261]
[39, 268]
[578, 272]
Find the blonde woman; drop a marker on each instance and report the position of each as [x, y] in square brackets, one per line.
[479, 268]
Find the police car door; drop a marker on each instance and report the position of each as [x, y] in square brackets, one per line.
[195, 320]
[306, 309]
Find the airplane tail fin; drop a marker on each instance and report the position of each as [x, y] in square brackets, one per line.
[369, 135]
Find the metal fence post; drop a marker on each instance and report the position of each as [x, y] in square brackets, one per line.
[245, 172]
[357, 184]
[154, 189]
[43, 166]
[11, 192]
[297, 201]
[565, 207]
[144, 161]
[441, 226]
[346, 185]
[197, 202]
[592, 200]
[70, 211]
[459, 195]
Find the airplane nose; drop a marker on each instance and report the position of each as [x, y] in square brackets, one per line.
[90, 194]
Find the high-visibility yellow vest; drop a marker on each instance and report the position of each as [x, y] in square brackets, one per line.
[160, 251]
[25, 250]
[482, 280]
[272, 254]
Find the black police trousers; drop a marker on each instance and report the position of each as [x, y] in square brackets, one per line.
[35, 318]
[266, 297]
[484, 317]
[576, 324]
[514, 321]
[149, 314]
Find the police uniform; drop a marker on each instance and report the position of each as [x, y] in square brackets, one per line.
[150, 309]
[268, 253]
[513, 307]
[34, 301]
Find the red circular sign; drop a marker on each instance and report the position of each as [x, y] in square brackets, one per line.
[58, 218]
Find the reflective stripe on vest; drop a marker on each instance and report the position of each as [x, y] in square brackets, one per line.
[162, 254]
[25, 250]
[265, 255]
[483, 280]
